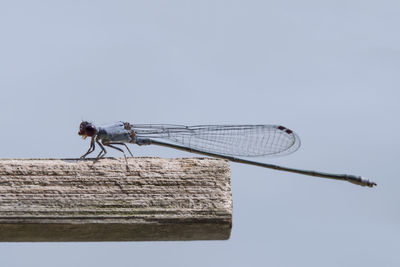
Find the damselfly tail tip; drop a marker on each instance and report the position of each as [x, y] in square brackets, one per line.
[371, 184]
[362, 181]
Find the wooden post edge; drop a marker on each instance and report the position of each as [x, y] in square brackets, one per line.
[147, 199]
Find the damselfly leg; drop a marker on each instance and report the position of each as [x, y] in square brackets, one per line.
[90, 150]
[103, 151]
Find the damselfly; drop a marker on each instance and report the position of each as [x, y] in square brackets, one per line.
[231, 142]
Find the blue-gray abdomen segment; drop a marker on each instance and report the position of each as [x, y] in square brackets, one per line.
[114, 133]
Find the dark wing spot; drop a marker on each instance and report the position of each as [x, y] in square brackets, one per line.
[286, 130]
[289, 131]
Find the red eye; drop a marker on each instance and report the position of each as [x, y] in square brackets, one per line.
[87, 129]
[90, 130]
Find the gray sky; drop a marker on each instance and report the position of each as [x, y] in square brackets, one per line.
[327, 69]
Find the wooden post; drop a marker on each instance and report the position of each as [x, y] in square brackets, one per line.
[107, 200]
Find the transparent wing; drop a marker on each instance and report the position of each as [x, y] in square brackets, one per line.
[231, 140]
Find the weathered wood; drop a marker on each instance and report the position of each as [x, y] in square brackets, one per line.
[84, 200]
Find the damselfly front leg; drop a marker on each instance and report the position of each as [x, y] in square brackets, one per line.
[90, 150]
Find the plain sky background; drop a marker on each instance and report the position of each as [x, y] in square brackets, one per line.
[330, 70]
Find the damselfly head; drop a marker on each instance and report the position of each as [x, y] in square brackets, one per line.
[87, 129]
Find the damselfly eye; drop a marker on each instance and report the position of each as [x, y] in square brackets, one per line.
[90, 130]
[87, 129]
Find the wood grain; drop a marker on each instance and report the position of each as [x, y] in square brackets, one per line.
[107, 200]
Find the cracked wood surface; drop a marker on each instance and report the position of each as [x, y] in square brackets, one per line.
[84, 200]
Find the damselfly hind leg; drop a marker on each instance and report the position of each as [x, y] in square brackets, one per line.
[122, 144]
[119, 149]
